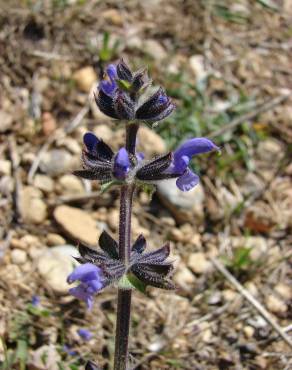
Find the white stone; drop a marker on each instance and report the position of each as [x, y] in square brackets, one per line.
[184, 206]
[71, 184]
[198, 67]
[18, 256]
[44, 183]
[5, 167]
[198, 263]
[33, 209]
[275, 304]
[85, 78]
[284, 290]
[184, 277]
[55, 264]
[154, 49]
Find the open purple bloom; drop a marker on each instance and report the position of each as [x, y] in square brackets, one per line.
[84, 334]
[181, 158]
[91, 282]
[121, 164]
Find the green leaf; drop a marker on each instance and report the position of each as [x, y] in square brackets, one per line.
[124, 85]
[137, 283]
[36, 311]
[241, 257]
[22, 353]
[105, 187]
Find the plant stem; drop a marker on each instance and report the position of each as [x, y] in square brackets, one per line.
[131, 134]
[124, 295]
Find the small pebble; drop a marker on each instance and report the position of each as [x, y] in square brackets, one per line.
[18, 256]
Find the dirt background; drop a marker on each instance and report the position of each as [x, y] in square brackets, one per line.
[227, 65]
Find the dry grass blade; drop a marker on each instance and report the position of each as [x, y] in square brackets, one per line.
[256, 304]
[270, 104]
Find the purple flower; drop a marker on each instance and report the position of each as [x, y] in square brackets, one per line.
[35, 301]
[91, 282]
[181, 158]
[109, 85]
[84, 334]
[121, 164]
[67, 349]
[97, 159]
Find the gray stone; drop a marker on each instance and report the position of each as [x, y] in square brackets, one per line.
[184, 206]
[56, 162]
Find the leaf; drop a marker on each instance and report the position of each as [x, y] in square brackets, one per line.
[105, 187]
[137, 283]
[241, 257]
[42, 312]
[22, 353]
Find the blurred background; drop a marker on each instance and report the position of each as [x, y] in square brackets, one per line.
[227, 65]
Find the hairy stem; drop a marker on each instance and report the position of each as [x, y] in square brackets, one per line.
[131, 134]
[124, 295]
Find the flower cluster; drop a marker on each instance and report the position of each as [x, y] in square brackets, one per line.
[120, 96]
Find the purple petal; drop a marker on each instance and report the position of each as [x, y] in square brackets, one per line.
[84, 334]
[90, 141]
[84, 273]
[109, 86]
[187, 181]
[80, 292]
[112, 71]
[121, 164]
[35, 300]
[195, 146]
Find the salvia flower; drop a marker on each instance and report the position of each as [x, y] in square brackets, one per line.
[91, 282]
[119, 96]
[35, 301]
[181, 158]
[85, 334]
[121, 164]
[97, 159]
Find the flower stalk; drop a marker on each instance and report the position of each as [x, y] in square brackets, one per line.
[130, 266]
